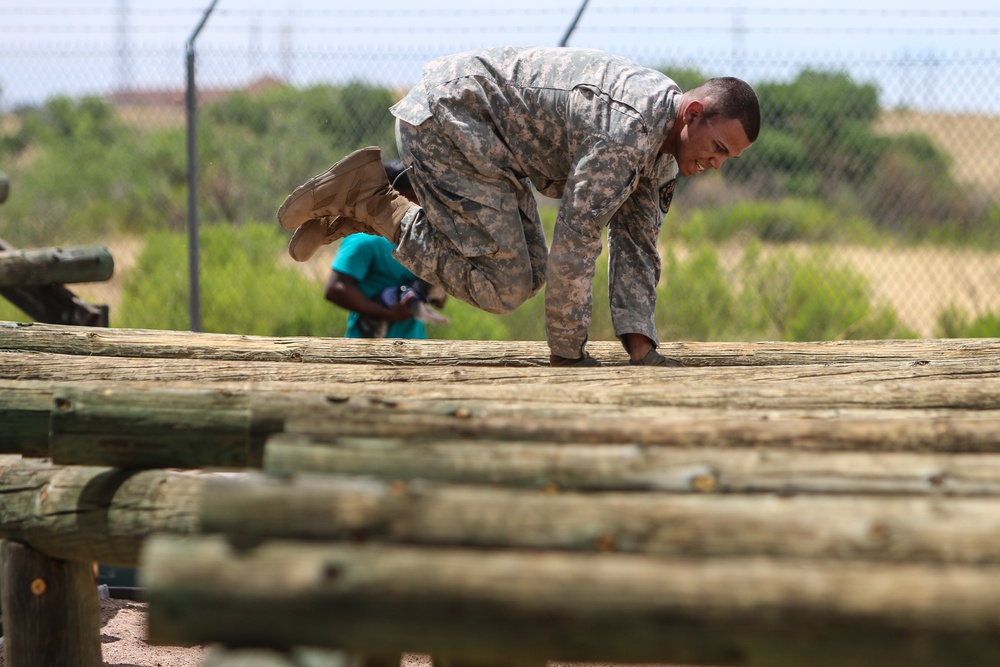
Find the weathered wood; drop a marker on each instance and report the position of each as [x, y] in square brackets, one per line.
[976, 434]
[145, 428]
[187, 345]
[51, 614]
[826, 528]
[54, 304]
[151, 429]
[958, 384]
[55, 266]
[200, 428]
[25, 409]
[631, 467]
[89, 514]
[26, 405]
[571, 607]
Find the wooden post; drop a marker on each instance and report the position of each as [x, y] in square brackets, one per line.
[51, 612]
[55, 266]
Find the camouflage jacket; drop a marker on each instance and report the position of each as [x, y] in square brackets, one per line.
[583, 126]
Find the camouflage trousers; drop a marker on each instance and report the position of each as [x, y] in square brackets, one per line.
[477, 232]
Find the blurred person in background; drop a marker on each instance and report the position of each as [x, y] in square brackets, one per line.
[384, 298]
[606, 136]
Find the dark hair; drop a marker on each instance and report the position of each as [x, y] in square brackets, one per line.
[398, 176]
[733, 98]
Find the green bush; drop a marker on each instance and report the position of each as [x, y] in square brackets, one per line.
[813, 298]
[782, 221]
[243, 288]
[953, 322]
[775, 297]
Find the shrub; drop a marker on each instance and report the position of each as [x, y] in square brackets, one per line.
[243, 289]
[953, 322]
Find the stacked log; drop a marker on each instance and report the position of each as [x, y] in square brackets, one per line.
[771, 503]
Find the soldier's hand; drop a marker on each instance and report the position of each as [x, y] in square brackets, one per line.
[654, 358]
[585, 361]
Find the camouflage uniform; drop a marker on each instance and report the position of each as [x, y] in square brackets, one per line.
[579, 125]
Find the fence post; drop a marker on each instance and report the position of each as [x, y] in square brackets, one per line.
[192, 176]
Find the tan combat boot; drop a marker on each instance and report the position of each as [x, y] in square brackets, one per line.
[354, 188]
[319, 232]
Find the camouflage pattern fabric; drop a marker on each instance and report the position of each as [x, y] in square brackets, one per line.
[580, 125]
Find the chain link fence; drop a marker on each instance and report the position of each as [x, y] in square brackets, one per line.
[868, 208]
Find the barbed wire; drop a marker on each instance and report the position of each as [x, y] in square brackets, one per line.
[494, 11]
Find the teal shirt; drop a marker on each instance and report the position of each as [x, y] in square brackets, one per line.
[368, 259]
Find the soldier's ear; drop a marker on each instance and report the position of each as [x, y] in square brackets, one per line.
[694, 109]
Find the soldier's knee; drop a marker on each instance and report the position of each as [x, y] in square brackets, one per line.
[505, 298]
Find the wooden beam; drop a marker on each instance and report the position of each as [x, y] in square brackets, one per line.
[51, 614]
[151, 429]
[605, 607]
[25, 413]
[144, 343]
[53, 304]
[827, 528]
[55, 266]
[633, 467]
[163, 427]
[87, 514]
[956, 384]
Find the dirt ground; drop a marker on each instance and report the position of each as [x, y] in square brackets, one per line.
[123, 643]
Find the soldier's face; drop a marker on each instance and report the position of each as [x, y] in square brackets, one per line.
[706, 143]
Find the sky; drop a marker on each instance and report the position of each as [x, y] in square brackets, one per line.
[84, 46]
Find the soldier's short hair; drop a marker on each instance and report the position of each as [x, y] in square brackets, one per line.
[730, 97]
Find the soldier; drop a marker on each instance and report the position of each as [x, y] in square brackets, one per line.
[605, 135]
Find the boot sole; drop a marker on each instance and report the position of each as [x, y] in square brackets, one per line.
[291, 216]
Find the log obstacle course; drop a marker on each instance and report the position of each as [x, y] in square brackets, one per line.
[769, 504]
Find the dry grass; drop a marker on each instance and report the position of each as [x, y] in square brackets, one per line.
[972, 141]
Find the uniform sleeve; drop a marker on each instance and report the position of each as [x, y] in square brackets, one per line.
[634, 268]
[601, 180]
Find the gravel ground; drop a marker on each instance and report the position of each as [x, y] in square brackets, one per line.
[123, 643]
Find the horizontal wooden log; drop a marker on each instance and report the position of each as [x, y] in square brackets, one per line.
[631, 467]
[187, 345]
[975, 434]
[25, 405]
[151, 429]
[144, 428]
[25, 412]
[571, 607]
[951, 384]
[55, 266]
[826, 528]
[90, 514]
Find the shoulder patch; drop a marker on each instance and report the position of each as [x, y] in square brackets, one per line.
[667, 195]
